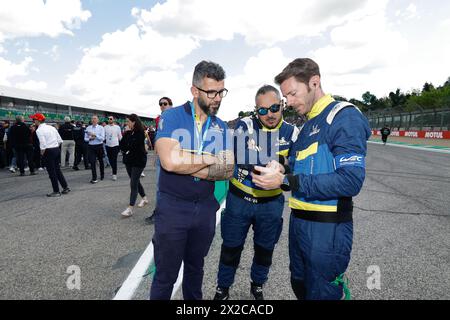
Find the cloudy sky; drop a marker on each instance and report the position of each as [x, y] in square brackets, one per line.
[126, 54]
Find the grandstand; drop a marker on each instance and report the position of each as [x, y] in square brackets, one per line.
[16, 101]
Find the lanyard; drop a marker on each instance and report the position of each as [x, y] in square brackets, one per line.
[201, 143]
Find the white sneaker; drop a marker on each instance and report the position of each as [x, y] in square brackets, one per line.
[12, 170]
[143, 203]
[128, 212]
[142, 174]
[41, 169]
[114, 177]
[27, 169]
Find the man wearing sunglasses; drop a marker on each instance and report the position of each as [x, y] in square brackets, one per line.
[165, 103]
[113, 135]
[328, 169]
[258, 139]
[194, 149]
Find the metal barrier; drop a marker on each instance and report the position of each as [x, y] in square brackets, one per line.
[438, 119]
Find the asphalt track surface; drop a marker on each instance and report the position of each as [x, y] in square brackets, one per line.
[401, 225]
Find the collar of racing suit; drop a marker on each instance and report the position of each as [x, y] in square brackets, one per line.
[319, 106]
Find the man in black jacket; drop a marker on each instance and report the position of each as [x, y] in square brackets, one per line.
[68, 146]
[80, 146]
[20, 136]
[385, 132]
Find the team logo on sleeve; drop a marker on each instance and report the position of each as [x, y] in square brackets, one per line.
[347, 160]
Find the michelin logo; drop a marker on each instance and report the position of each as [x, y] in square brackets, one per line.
[346, 160]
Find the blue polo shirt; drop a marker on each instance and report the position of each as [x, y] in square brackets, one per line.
[177, 123]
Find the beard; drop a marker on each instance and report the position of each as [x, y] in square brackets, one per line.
[210, 109]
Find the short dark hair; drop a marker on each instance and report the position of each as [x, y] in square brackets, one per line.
[265, 89]
[207, 69]
[168, 100]
[303, 69]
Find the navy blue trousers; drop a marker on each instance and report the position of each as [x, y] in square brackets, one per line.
[319, 253]
[184, 231]
[267, 222]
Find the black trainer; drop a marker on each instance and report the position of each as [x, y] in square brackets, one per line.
[75, 168]
[257, 291]
[66, 190]
[221, 294]
[54, 194]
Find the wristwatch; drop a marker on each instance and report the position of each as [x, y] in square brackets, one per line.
[285, 186]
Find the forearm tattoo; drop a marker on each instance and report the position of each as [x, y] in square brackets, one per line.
[223, 170]
[220, 171]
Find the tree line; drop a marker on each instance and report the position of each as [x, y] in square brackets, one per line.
[429, 97]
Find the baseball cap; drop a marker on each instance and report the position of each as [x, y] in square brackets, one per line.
[38, 117]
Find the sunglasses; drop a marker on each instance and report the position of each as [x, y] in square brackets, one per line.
[163, 104]
[264, 111]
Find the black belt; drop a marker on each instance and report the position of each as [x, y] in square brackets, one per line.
[344, 213]
[243, 195]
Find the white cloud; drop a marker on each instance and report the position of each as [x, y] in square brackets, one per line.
[409, 13]
[131, 69]
[32, 85]
[259, 21]
[258, 71]
[54, 53]
[362, 55]
[128, 69]
[10, 70]
[31, 18]
[24, 48]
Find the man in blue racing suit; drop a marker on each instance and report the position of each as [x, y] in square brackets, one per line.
[257, 140]
[326, 169]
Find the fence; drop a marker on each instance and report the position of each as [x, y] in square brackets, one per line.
[438, 120]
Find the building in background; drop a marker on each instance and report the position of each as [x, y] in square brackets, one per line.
[16, 101]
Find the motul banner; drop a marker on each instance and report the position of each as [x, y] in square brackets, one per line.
[417, 134]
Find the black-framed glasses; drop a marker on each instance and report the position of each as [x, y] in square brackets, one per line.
[163, 104]
[264, 111]
[212, 94]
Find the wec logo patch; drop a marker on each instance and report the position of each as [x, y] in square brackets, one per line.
[345, 160]
[354, 158]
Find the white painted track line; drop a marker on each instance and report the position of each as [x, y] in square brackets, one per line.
[129, 287]
[412, 147]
